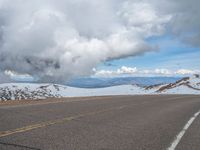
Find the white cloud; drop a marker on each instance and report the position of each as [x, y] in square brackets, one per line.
[57, 40]
[163, 71]
[14, 74]
[128, 71]
[121, 71]
[187, 71]
[142, 16]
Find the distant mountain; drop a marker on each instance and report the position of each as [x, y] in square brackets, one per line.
[18, 91]
[107, 82]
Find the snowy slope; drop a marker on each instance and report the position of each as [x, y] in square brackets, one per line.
[188, 85]
[18, 91]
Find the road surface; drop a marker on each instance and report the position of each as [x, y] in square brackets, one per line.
[102, 123]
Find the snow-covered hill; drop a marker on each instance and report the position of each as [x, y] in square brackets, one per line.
[18, 91]
[188, 85]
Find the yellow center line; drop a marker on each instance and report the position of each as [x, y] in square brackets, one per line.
[66, 119]
[53, 122]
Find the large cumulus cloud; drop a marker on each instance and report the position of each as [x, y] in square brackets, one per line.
[56, 40]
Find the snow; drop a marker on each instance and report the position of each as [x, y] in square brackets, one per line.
[115, 90]
[18, 91]
[185, 86]
[182, 90]
[195, 82]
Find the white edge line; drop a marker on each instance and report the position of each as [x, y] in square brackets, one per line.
[181, 134]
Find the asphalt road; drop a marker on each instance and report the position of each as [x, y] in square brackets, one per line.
[102, 123]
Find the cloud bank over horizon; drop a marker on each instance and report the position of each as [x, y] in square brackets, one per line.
[57, 40]
[134, 71]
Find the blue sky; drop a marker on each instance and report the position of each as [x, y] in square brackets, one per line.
[172, 54]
